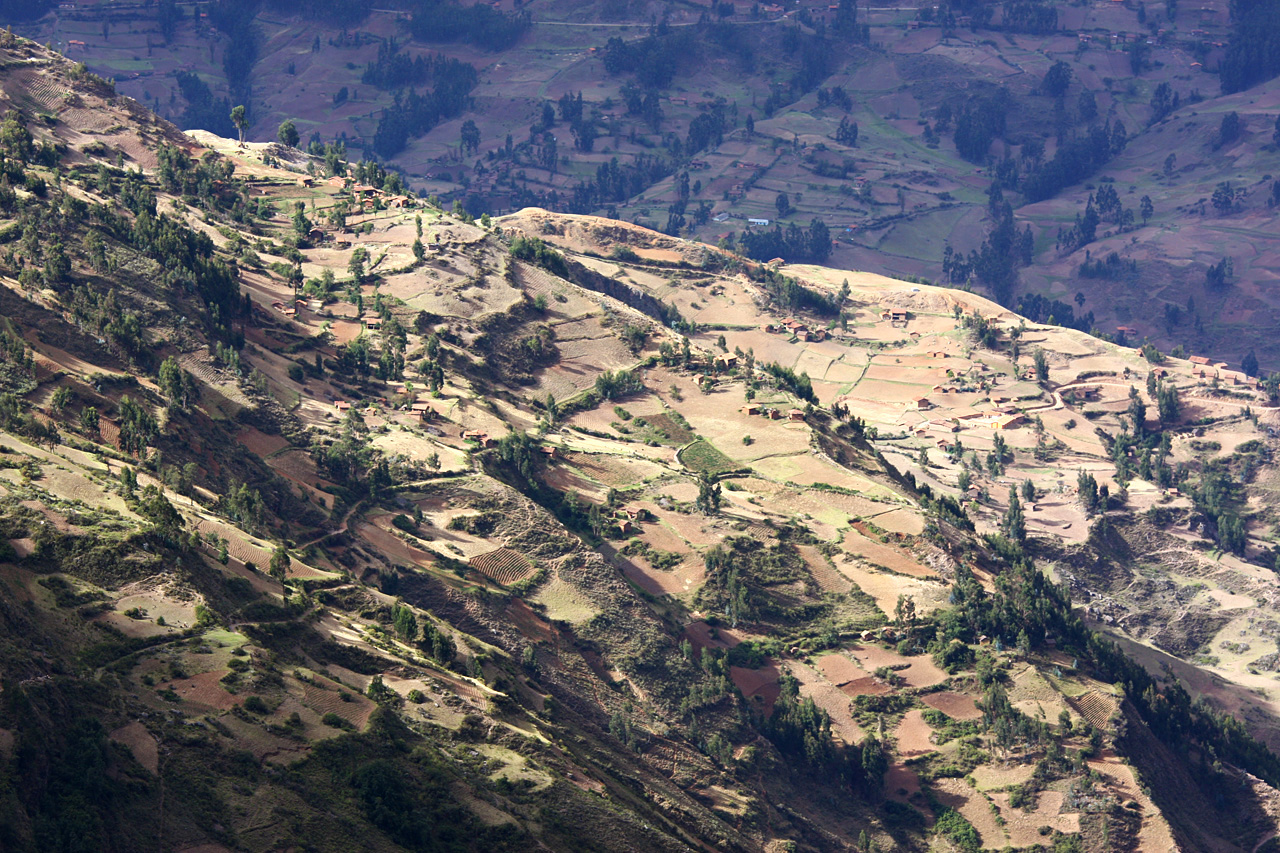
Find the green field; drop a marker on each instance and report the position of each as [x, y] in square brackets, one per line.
[704, 458]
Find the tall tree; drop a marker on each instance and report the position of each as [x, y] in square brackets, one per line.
[240, 120]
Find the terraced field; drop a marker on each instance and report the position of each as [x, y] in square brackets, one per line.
[503, 565]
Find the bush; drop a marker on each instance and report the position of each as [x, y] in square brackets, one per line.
[256, 705]
[333, 721]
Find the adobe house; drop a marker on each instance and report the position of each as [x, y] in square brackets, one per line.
[818, 335]
[803, 336]
[773, 414]
[372, 322]
[796, 414]
[727, 361]
[634, 513]
[316, 235]
[1008, 421]
[550, 451]
[922, 403]
[475, 435]
[1198, 359]
[342, 406]
[422, 410]
[753, 409]
[938, 354]
[626, 527]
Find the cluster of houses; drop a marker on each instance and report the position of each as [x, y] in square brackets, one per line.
[797, 328]
[1000, 417]
[629, 518]
[1203, 368]
[298, 304]
[483, 439]
[773, 413]
[895, 316]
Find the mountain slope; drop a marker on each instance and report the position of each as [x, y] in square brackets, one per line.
[336, 520]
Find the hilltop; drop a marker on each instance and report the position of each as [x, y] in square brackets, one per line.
[334, 518]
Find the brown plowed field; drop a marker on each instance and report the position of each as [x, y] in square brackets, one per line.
[203, 690]
[913, 735]
[140, 742]
[954, 705]
[762, 683]
[839, 669]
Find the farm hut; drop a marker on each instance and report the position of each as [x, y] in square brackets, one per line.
[818, 335]
[634, 513]
[372, 322]
[773, 414]
[753, 409]
[1008, 421]
[422, 410]
[937, 353]
[550, 451]
[1198, 359]
[1219, 365]
[306, 182]
[897, 316]
[770, 328]
[278, 305]
[776, 262]
[727, 361]
[803, 336]
[342, 406]
[922, 403]
[796, 414]
[763, 223]
[475, 435]
[626, 527]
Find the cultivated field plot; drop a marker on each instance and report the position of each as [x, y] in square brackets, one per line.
[758, 686]
[826, 576]
[829, 698]
[884, 556]
[702, 457]
[958, 706]
[914, 735]
[919, 671]
[503, 565]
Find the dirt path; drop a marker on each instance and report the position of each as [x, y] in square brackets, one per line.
[341, 528]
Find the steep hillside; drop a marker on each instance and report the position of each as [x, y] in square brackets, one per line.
[332, 519]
